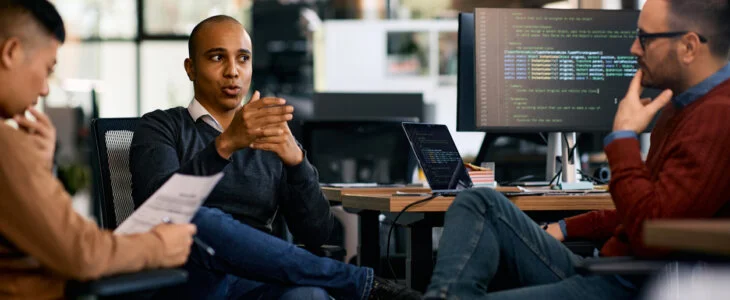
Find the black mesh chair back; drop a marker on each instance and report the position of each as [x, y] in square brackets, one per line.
[110, 162]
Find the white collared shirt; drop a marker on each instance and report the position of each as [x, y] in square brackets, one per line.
[197, 111]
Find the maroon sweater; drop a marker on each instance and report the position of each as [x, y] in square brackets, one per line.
[686, 175]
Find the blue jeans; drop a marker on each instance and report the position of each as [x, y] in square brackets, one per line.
[250, 264]
[487, 240]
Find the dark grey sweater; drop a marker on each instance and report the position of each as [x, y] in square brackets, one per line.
[256, 183]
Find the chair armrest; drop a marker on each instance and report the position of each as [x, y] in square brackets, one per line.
[331, 251]
[625, 266]
[583, 248]
[127, 283]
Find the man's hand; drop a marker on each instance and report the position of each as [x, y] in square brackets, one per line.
[176, 241]
[635, 113]
[254, 120]
[284, 145]
[554, 230]
[42, 132]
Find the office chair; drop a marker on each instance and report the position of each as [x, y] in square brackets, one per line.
[622, 265]
[669, 275]
[645, 269]
[111, 139]
[113, 182]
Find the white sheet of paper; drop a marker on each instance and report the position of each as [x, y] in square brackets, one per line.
[178, 200]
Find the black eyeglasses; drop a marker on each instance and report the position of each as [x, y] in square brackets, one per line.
[643, 36]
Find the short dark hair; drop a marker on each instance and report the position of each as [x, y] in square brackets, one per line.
[192, 41]
[42, 12]
[710, 18]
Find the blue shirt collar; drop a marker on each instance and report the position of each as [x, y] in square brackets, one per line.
[699, 90]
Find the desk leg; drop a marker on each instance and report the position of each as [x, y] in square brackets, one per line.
[368, 249]
[419, 262]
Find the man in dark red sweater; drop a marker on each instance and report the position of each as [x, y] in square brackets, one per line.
[682, 47]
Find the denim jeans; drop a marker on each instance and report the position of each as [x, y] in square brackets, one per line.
[250, 264]
[489, 242]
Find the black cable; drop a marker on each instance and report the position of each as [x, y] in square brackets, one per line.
[583, 174]
[557, 174]
[395, 221]
[596, 180]
[544, 139]
[571, 151]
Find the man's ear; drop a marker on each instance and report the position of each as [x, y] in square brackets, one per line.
[190, 69]
[11, 53]
[690, 47]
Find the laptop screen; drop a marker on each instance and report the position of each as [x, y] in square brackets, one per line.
[437, 155]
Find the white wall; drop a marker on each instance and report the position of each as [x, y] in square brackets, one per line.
[108, 67]
[588, 4]
[350, 56]
[164, 81]
[611, 4]
[119, 96]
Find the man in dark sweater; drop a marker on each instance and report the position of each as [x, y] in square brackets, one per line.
[266, 173]
[682, 47]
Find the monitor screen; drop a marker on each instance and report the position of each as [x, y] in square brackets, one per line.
[359, 151]
[543, 69]
[367, 106]
[438, 156]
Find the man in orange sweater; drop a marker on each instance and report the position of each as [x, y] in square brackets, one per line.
[43, 242]
[682, 47]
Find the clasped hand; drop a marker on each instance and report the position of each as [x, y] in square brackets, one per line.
[262, 124]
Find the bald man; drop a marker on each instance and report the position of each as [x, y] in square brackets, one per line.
[266, 173]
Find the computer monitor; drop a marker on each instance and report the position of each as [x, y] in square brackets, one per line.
[466, 116]
[543, 70]
[359, 151]
[368, 106]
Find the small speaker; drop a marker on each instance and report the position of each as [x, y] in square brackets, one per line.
[603, 174]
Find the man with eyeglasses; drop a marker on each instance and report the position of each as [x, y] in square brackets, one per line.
[682, 47]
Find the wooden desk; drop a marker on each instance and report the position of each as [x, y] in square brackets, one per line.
[420, 220]
[335, 194]
[390, 203]
[703, 236]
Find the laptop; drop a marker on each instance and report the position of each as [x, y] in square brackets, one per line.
[438, 157]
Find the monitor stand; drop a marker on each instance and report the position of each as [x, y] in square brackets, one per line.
[557, 144]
